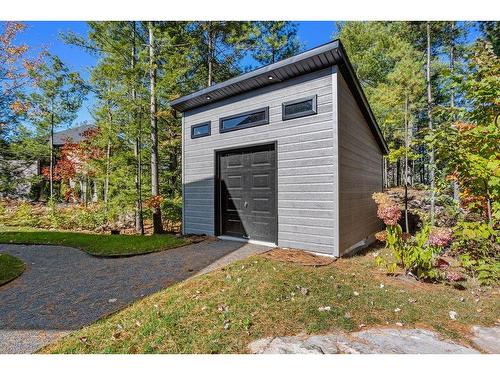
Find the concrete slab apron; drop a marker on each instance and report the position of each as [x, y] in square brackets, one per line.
[64, 288]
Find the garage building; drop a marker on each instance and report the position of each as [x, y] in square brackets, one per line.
[288, 154]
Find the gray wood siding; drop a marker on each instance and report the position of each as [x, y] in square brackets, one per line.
[360, 172]
[306, 163]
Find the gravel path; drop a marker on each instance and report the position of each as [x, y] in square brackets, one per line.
[63, 289]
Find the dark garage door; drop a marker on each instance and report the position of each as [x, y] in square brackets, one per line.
[247, 193]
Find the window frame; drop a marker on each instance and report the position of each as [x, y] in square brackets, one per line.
[193, 127]
[265, 121]
[310, 112]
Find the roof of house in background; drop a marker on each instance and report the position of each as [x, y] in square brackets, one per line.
[321, 57]
[73, 135]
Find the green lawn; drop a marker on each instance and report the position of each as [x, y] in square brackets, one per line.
[94, 244]
[10, 268]
[222, 312]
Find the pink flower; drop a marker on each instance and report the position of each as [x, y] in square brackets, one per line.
[390, 214]
[453, 276]
[440, 237]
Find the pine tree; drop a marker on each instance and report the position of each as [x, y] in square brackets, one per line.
[57, 96]
[274, 41]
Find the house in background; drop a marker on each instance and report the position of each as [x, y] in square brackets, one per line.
[72, 135]
[288, 154]
[87, 188]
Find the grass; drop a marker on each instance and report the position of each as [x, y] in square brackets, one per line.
[222, 312]
[95, 244]
[10, 268]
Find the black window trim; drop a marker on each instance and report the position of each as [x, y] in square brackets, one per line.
[257, 123]
[193, 127]
[313, 111]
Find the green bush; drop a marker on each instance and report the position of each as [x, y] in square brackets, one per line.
[24, 216]
[89, 218]
[171, 209]
[3, 211]
[477, 239]
[416, 255]
[478, 246]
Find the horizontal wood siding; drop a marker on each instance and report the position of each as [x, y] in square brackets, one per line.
[360, 172]
[305, 152]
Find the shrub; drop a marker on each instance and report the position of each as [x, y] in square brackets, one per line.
[171, 209]
[89, 218]
[24, 216]
[478, 246]
[416, 255]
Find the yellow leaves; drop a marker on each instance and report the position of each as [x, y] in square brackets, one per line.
[19, 107]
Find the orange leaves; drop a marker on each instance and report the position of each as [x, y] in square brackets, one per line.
[19, 107]
[154, 201]
[463, 126]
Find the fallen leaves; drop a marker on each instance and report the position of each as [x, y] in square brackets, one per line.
[453, 315]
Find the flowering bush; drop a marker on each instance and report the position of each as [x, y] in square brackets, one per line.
[390, 214]
[416, 255]
[454, 277]
[440, 237]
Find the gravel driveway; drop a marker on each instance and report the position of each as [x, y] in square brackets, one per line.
[63, 289]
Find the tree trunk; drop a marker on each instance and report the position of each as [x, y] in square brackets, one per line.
[429, 114]
[456, 190]
[406, 165]
[108, 161]
[139, 222]
[210, 53]
[51, 162]
[155, 185]
[398, 172]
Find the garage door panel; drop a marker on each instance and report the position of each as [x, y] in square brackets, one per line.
[247, 180]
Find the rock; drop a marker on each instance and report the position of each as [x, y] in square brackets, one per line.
[324, 308]
[303, 290]
[453, 315]
[411, 341]
[487, 338]
[112, 300]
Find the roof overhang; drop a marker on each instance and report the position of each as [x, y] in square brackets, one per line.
[321, 57]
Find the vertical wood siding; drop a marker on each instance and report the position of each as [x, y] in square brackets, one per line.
[306, 160]
[360, 172]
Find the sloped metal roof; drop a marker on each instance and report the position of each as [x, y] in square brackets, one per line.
[326, 55]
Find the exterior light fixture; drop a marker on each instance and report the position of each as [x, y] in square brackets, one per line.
[208, 98]
[270, 78]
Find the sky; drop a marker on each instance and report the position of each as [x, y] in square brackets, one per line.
[47, 34]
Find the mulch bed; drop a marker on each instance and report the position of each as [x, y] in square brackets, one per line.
[301, 257]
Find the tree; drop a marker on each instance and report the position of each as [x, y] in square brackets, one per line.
[13, 79]
[491, 31]
[55, 100]
[389, 69]
[274, 41]
[470, 147]
[155, 183]
[217, 48]
[429, 117]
